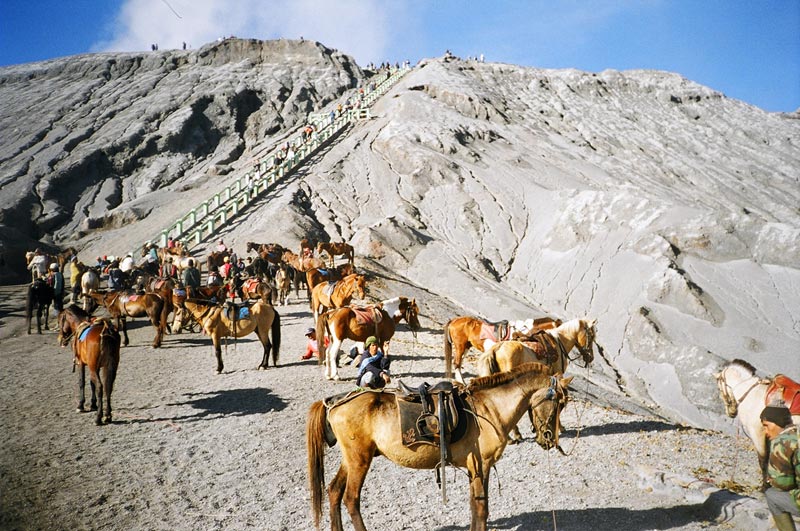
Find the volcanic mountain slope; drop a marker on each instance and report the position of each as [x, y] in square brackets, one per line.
[657, 206]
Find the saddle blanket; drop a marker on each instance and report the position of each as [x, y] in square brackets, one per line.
[367, 314]
[329, 287]
[250, 285]
[490, 331]
[242, 313]
[179, 292]
[787, 390]
[84, 333]
[129, 298]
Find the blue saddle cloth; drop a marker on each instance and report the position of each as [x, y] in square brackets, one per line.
[243, 313]
[82, 336]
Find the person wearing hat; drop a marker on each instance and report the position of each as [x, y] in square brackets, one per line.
[221, 247]
[226, 268]
[56, 280]
[74, 278]
[783, 466]
[373, 371]
[312, 347]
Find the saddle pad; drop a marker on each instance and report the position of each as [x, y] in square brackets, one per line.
[129, 298]
[241, 313]
[489, 331]
[250, 284]
[329, 287]
[324, 272]
[367, 314]
[159, 283]
[787, 390]
[179, 292]
[84, 333]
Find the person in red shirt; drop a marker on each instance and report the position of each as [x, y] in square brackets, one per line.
[312, 347]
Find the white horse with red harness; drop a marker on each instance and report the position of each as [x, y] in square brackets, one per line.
[745, 396]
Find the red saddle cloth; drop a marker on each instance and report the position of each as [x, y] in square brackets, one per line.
[250, 284]
[489, 331]
[786, 389]
[366, 314]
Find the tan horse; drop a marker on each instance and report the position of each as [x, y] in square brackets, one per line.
[127, 303]
[368, 426]
[461, 333]
[337, 249]
[316, 276]
[551, 347]
[347, 323]
[95, 345]
[283, 283]
[217, 323]
[337, 294]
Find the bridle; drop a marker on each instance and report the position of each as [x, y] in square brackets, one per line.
[586, 352]
[729, 392]
[540, 423]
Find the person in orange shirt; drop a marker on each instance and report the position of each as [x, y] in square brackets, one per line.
[312, 347]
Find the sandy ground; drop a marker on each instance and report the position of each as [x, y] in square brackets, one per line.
[190, 449]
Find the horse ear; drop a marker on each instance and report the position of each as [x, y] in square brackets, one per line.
[566, 381]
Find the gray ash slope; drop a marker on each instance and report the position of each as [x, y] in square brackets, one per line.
[660, 207]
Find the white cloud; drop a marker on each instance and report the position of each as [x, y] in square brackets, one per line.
[361, 28]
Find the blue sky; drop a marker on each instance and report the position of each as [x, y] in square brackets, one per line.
[747, 49]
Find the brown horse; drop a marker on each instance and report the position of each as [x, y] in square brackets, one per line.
[336, 294]
[368, 425]
[271, 252]
[357, 324]
[462, 332]
[334, 249]
[253, 288]
[306, 247]
[316, 276]
[217, 258]
[218, 322]
[551, 347]
[95, 345]
[127, 303]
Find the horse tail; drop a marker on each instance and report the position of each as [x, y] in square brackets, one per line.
[276, 337]
[448, 351]
[315, 446]
[322, 328]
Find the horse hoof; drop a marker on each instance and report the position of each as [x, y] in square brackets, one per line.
[79, 410]
[336, 377]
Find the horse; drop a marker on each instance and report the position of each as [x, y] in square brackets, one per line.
[336, 294]
[95, 345]
[40, 296]
[126, 302]
[334, 249]
[90, 281]
[64, 256]
[462, 332]
[316, 276]
[548, 346]
[745, 395]
[357, 324]
[284, 284]
[368, 425]
[253, 288]
[165, 253]
[261, 318]
[217, 258]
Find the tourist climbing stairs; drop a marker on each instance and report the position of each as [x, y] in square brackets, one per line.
[207, 218]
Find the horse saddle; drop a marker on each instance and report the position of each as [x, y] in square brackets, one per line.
[329, 287]
[499, 331]
[159, 283]
[543, 345]
[236, 312]
[367, 314]
[786, 389]
[250, 285]
[179, 294]
[421, 415]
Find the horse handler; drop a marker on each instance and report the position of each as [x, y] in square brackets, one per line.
[783, 468]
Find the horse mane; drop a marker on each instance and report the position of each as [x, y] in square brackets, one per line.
[742, 364]
[79, 312]
[493, 380]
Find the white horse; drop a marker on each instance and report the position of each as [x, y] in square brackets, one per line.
[745, 396]
[90, 282]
